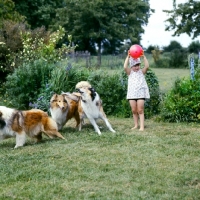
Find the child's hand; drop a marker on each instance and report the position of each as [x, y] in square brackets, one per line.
[142, 54]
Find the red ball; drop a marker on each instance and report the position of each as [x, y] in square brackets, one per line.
[136, 51]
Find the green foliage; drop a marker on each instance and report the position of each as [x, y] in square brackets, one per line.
[150, 48]
[103, 22]
[172, 46]
[38, 57]
[178, 59]
[182, 103]
[174, 56]
[8, 12]
[194, 47]
[38, 12]
[32, 85]
[64, 78]
[184, 18]
[43, 45]
[156, 54]
[10, 45]
[25, 83]
[44, 95]
[152, 104]
[163, 62]
[18, 45]
[112, 90]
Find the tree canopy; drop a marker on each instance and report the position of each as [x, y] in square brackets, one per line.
[7, 12]
[103, 22]
[173, 45]
[184, 18]
[38, 12]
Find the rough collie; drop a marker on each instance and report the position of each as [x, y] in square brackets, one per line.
[16, 123]
[90, 106]
[64, 107]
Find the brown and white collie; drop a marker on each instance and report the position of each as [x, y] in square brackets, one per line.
[63, 107]
[16, 123]
[90, 106]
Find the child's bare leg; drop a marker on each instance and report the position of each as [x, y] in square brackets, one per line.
[133, 104]
[135, 118]
[141, 122]
[140, 106]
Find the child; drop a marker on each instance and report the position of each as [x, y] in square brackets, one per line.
[138, 89]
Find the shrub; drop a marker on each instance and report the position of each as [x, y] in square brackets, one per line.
[182, 103]
[178, 59]
[194, 47]
[33, 85]
[24, 84]
[152, 104]
[64, 78]
[162, 63]
[44, 96]
[112, 90]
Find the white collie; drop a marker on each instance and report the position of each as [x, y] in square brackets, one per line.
[16, 123]
[90, 106]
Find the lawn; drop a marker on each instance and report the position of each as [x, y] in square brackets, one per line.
[166, 77]
[160, 163]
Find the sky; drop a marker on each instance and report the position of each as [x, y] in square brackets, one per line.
[155, 33]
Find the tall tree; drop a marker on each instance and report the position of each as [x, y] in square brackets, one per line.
[38, 12]
[101, 21]
[7, 12]
[184, 18]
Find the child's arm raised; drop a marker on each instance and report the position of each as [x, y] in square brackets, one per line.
[126, 69]
[146, 64]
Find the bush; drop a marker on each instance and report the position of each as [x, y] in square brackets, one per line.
[152, 105]
[162, 63]
[33, 85]
[25, 83]
[112, 90]
[178, 59]
[182, 103]
[64, 78]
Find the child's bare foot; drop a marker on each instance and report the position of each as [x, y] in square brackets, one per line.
[141, 129]
[135, 127]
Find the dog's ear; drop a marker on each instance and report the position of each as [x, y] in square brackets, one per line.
[54, 97]
[66, 99]
[92, 89]
[93, 93]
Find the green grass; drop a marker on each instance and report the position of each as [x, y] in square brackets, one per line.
[166, 77]
[160, 163]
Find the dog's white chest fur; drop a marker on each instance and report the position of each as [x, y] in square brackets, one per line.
[59, 116]
[91, 108]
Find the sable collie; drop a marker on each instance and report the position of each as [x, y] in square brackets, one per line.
[91, 106]
[64, 107]
[16, 123]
